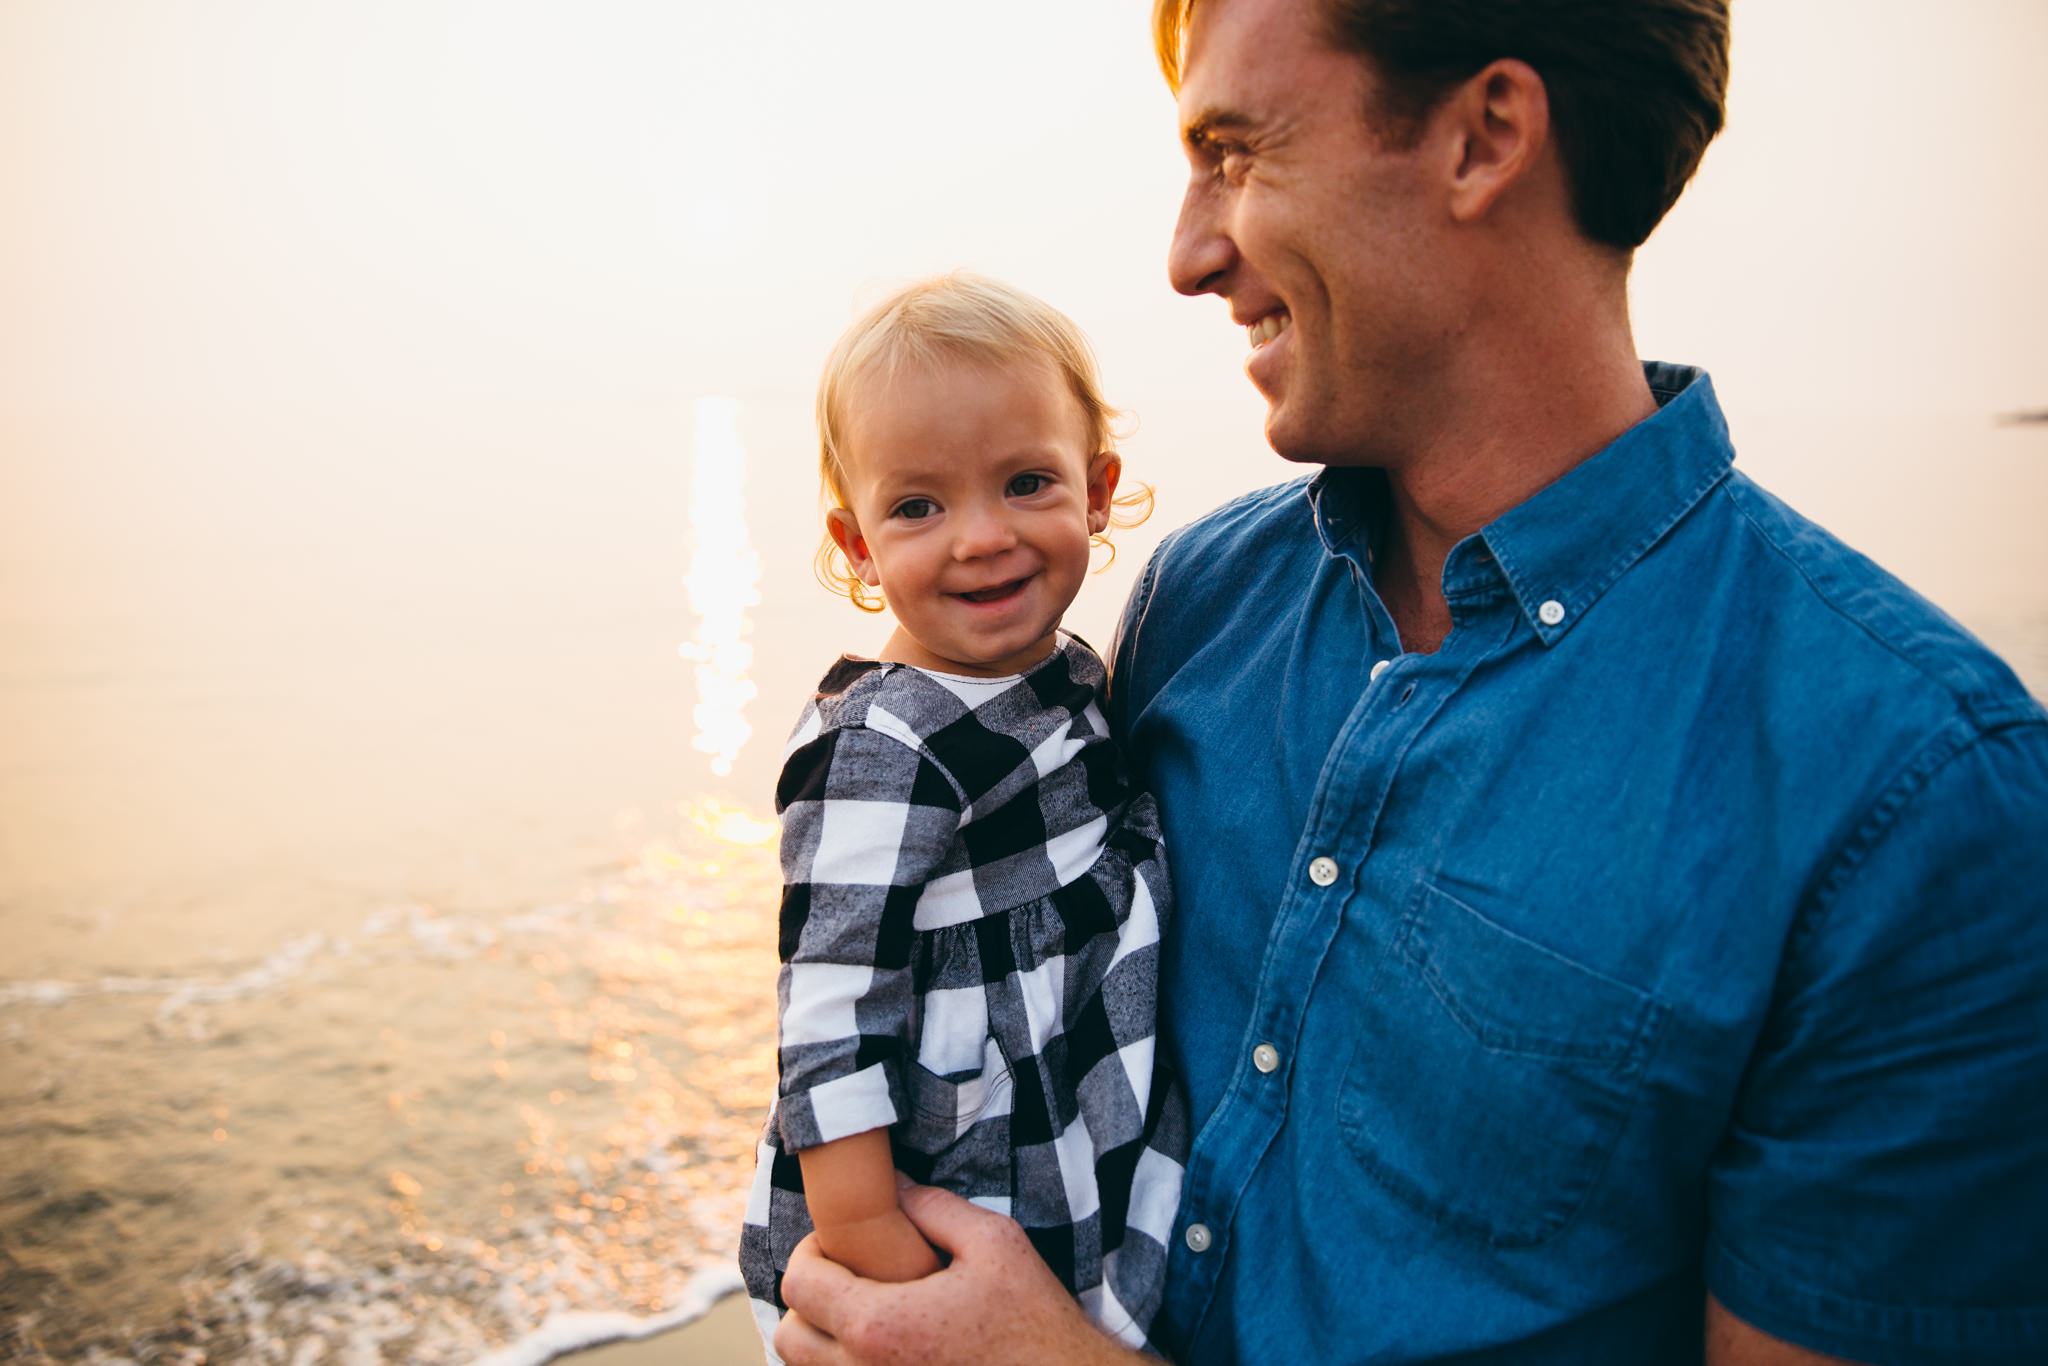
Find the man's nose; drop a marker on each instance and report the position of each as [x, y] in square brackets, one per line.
[1201, 253]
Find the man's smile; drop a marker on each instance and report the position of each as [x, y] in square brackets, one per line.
[1263, 330]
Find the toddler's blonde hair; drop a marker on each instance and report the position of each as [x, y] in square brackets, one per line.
[956, 317]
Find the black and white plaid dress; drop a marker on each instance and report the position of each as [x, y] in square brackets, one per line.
[970, 920]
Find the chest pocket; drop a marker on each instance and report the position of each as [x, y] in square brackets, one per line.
[1493, 1077]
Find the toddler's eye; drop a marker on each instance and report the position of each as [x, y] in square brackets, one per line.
[1024, 485]
[914, 509]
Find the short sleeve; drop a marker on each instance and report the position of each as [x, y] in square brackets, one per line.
[866, 819]
[1882, 1193]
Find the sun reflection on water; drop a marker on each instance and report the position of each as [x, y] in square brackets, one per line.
[724, 581]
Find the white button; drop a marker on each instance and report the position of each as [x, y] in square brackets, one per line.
[1198, 1237]
[1381, 668]
[1550, 613]
[1265, 1057]
[1323, 871]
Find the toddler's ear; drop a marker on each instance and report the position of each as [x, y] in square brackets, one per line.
[1103, 473]
[844, 529]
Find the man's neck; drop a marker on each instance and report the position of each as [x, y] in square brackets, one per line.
[1514, 428]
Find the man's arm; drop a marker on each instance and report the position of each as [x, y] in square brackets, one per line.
[995, 1304]
[1881, 1192]
[1731, 1342]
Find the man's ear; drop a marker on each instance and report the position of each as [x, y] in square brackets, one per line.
[844, 529]
[1103, 473]
[1500, 127]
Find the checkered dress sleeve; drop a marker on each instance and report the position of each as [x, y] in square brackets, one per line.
[867, 817]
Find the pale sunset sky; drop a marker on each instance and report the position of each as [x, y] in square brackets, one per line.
[464, 207]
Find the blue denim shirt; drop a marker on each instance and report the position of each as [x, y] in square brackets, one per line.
[1677, 926]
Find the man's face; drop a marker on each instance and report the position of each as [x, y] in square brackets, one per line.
[1319, 234]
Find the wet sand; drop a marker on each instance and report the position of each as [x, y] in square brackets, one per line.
[725, 1336]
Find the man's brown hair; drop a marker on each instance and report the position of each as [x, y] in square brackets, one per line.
[1637, 87]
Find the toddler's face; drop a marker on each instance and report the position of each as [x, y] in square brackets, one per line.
[972, 492]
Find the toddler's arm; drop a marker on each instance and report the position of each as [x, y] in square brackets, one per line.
[867, 819]
[850, 1185]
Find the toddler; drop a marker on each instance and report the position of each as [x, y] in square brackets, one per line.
[973, 889]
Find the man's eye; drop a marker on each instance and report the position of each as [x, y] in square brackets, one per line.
[915, 509]
[1024, 485]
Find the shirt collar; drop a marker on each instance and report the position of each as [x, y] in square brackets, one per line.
[1566, 546]
[1563, 548]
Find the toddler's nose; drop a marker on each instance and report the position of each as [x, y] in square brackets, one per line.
[982, 533]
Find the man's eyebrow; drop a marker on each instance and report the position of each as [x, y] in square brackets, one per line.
[1211, 121]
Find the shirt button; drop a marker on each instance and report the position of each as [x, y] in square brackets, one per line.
[1198, 1237]
[1265, 1057]
[1550, 613]
[1323, 871]
[1381, 668]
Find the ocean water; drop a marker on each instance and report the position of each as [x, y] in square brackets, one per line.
[415, 1137]
[387, 875]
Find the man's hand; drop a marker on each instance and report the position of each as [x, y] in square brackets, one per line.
[995, 1303]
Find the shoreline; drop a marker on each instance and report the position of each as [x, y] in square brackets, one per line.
[712, 1324]
[723, 1335]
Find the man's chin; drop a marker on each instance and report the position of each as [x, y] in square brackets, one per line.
[1291, 442]
[1318, 438]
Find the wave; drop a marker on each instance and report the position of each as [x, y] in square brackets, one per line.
[178, 992]
[560, 1333]
[448, 937]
